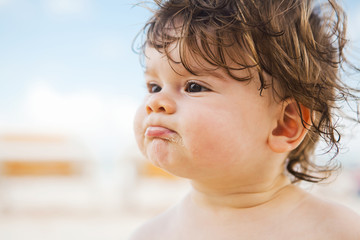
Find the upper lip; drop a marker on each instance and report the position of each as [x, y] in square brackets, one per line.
[159, 132]
[152, 124]
[158, 124]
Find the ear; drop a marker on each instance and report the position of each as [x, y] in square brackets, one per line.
[289, 130]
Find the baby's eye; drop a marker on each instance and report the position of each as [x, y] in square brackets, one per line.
[194, 87]
[153, 88]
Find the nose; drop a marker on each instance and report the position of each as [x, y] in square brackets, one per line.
[160, 103]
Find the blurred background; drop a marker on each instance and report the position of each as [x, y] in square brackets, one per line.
[70, 85]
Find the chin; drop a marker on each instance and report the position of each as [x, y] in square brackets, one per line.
[172, 167]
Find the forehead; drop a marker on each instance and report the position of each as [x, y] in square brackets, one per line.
[185, 62]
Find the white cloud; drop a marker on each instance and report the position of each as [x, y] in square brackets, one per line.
[104, 123]
[82, 110]
[67, 7]
[45, 106]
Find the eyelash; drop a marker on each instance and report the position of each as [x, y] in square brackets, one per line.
[154, 88]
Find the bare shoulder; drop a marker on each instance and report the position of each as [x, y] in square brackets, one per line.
[156, 228]
[330, 219]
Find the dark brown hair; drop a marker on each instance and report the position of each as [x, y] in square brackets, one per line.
[300, 45]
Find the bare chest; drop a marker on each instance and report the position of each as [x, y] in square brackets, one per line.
[242, 229]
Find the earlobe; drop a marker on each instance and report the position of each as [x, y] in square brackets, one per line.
[289, 130]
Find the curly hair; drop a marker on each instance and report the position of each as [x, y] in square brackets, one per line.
[299, 44]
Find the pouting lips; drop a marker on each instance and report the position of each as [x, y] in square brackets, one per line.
[159, 132]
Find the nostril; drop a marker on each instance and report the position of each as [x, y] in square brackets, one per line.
[148, 109]
[159, 109]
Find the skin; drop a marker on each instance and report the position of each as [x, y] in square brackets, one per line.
[232, 144]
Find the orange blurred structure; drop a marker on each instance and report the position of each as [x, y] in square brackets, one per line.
[40, 155]
[37, 168]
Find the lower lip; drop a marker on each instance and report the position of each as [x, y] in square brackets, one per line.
[158, 132]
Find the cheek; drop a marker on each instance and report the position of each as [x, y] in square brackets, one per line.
[213, 138]
[139, 128]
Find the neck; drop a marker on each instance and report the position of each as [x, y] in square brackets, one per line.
[239, 197]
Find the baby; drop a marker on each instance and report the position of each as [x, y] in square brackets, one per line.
[239, 93]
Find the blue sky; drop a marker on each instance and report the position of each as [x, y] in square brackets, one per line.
[71, 45]
[68, 65]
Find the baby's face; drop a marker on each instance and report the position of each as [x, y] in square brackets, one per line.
[202, 127]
